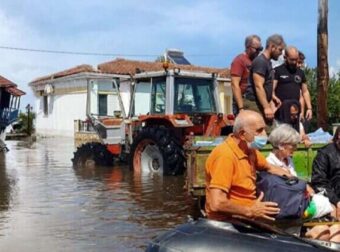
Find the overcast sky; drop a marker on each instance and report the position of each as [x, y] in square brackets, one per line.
[210, 33]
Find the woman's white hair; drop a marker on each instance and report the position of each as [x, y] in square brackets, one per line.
[284, 134]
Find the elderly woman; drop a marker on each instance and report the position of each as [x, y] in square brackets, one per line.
[284, 140]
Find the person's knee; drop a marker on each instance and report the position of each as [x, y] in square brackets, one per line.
[320, 232]
[335, 233]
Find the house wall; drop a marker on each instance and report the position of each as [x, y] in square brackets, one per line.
[68, 103]
[62, 111]
[226, 96]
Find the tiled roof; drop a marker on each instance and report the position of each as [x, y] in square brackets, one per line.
[15, 91]
[123, 66]
[10, 87]
[5, 82]
[74, 70]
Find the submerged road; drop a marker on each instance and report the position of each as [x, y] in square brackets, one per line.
[46, 205]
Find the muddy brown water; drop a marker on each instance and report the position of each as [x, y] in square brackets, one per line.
[46, 205]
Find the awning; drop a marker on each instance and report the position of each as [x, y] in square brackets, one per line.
[15, 91]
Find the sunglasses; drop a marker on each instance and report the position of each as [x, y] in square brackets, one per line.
[257, 49]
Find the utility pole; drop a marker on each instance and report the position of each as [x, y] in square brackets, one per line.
[28, 108]
[322, 68]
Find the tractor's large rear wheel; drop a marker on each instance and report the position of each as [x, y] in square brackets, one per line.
[154, 149]
[92, 154]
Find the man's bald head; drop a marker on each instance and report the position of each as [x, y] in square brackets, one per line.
[247, 119]
[292, 52]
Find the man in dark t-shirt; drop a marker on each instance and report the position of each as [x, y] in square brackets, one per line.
[290, 81]
[239, 70]
[258, 96]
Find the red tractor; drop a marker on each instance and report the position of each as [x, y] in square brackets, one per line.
[165, 109]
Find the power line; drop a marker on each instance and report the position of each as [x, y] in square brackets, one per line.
[76, 53]
[97, 54]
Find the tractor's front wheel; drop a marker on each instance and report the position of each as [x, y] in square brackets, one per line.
[155, 150]
[92, 154]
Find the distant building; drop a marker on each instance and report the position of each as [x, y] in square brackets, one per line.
[61, 97]
[9, 105]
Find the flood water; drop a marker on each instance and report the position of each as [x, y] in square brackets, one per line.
[46, 205]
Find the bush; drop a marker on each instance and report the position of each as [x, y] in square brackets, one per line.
[333, 99]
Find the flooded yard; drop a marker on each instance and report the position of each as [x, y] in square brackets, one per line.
[46, 205]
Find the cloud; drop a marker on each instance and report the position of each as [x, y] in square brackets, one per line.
[215, 29]
[334, 69]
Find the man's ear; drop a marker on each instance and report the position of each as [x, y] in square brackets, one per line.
[241, 134]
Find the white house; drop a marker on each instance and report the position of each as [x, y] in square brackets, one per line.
[61, 97]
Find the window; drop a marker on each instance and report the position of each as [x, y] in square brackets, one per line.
[45, 104]
[194, 96]
[158, 96]
[102, 105]
[141, 104]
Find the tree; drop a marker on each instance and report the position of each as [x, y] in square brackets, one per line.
[333, 97]
[322, 71]
[25, 124]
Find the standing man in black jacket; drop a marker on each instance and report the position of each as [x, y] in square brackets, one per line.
[326, 171]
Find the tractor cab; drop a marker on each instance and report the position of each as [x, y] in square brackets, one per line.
[177, 99]
[172, 92]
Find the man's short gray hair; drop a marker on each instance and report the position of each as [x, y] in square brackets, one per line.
[284, 134]
[239, 124]
[249, 40]
[275, 39]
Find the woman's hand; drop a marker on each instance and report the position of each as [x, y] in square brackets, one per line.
[310, 190]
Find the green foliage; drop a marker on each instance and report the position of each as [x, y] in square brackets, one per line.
[25, 123]
[333, 99]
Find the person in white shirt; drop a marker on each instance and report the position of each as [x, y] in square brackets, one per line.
[284, 140]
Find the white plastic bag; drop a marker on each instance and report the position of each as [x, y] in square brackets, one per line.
[322, 204]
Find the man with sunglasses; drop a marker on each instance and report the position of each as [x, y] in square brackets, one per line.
[239, 70]
[258, 96]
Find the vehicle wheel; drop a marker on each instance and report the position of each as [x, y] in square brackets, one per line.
[154, 149]
[92, 154]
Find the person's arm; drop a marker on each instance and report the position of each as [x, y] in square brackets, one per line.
[302, 106]
[263, 165]
[319, 177]
[235, 86]
[276, 99]
[306, 96]
[219, 202]
[304, 137]
[259, 81]
[273, 169]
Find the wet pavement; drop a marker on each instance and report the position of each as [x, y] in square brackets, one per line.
[46, 205]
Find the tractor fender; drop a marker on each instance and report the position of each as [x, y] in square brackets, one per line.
[175, 121]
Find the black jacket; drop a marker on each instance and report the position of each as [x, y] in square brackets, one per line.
[326, 172]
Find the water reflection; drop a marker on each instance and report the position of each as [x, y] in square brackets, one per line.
[148, 200]
[4, 185]
[51, 206]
